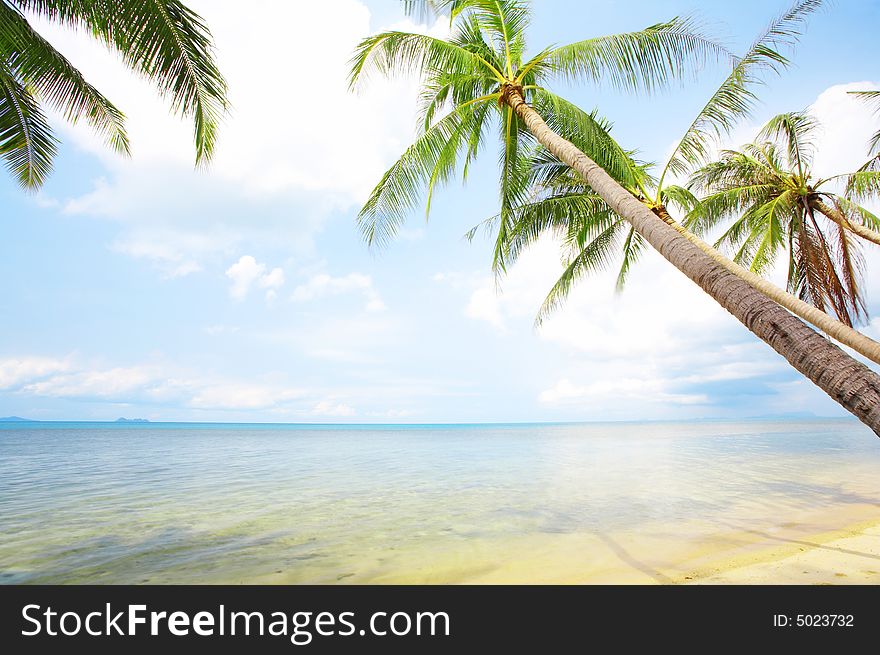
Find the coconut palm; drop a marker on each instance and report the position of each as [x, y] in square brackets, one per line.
[481, 78]
[777, 205]
[162, 40]
[562, 202]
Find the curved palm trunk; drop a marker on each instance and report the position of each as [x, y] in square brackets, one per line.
[828, 324]
[838, 217]
[852, 384]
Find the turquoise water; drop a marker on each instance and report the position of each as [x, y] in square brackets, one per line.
[133, 503]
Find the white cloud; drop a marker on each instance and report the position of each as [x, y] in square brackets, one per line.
[161, 382]
[323, 285]
[247, 271]
[243, 396]
[17, 371]
[619, 390]
[274, 143]
[329, 408]
[596, 320]
[109, 383]
[349, 338]
[846, 125]
[274, 279]
[166, 257]
[485, 305]
[653, 350]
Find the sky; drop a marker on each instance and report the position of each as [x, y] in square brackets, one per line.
[145, 288]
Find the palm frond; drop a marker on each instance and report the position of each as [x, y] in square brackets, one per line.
[475, 136]
[679, 197]
[793, 130]
[172, 47]
[26, 141]
[163, 40]
[515, 145]
[571, 217]
[591, 134]
[768, 223]
[863, 185]
[852, 266]
[830, 273]
[733, 184]
[41, 67]
[857, 213]
[402, 53]
[633, 246]
[429, 161]
[734, 169]
[640, 61]
[505, 21]
[735, 98]
[422, 10]
[730, 202]
[594, 256]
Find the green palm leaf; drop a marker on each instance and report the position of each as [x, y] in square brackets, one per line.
[402, 53]
[429, 161]
[594, 256]
[768, 194]
[793, 130]
[26, 141]
[633, 246]
[858, 213]
[589, 133]
[638, 61]
[39, 66]
[163, 40]
[735, 98]
[575, 217]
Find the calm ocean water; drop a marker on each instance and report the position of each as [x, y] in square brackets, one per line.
[132, 503]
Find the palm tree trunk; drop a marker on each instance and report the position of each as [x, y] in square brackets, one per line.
[850, 383]
[829, 325]
[838, 217]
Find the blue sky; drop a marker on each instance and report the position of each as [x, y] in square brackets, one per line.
[143, 288]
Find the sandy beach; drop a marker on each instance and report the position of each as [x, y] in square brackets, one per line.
[805, 550]
[785, 555]
[850, 556]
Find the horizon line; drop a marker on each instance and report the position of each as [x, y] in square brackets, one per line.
[11, 420]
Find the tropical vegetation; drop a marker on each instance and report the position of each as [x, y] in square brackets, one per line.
[161, 40]
[563, 204]
[482, 80]
[773, 202]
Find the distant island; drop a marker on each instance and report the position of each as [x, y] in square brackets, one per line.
[131, 420]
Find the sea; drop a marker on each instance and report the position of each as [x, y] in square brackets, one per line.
[174, 503]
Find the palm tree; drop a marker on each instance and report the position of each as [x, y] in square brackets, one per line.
[162, 40]
[768, 188]
[564, 205]
[482, 73]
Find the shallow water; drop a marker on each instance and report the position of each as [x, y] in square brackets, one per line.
[186, 503]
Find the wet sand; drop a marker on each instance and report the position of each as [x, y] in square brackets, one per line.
[805, 550]
[850, 556]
